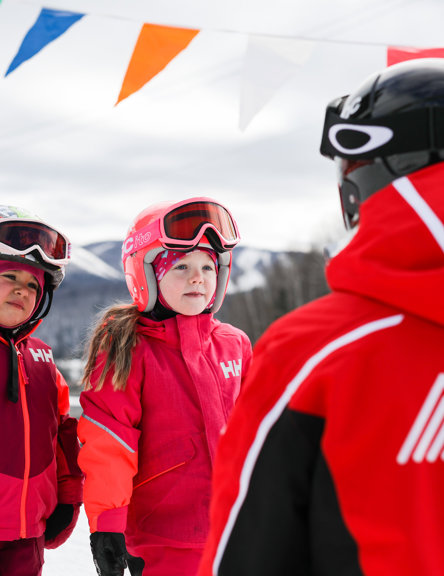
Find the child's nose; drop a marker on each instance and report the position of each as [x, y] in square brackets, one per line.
[197, 275]
[21, 287]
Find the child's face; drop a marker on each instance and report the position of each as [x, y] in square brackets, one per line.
[190, 284]
[18, 294]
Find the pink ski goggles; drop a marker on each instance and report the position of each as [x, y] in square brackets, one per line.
[183, 225]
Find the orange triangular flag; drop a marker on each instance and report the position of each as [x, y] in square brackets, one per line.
[155, 48]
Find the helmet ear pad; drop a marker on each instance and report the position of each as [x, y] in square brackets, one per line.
[224, 260]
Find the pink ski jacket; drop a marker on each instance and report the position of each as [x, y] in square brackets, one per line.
[39, 447]
[332, 462]
[147, 451]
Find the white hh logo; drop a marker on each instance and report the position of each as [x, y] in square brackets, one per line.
[232, 368]
[43, 355]
[425, 440]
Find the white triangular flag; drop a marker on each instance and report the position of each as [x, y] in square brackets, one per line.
[269, 62]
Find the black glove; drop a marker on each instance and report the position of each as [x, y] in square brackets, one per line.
[60, 519]
[109, 553]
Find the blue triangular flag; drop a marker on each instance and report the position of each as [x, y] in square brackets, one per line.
[49, 25]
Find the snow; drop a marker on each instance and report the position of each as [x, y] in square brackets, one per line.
[86, 260]
[74, 557]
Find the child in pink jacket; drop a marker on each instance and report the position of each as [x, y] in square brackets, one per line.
[161, 378]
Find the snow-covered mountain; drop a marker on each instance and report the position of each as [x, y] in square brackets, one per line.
[263, 285]
[94, 279]
[103, 260]
[87, 261]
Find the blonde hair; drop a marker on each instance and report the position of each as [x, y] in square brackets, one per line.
[114, 335]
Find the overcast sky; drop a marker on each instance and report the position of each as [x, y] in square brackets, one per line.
[89, 167]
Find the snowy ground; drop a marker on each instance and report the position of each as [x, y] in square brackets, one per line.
[74, 557]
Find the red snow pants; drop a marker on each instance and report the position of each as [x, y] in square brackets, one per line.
[22, 557]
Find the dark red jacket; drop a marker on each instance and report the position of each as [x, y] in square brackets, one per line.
[38, 454]
[332, 462]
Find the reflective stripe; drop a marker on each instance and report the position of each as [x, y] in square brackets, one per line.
[272, 416]
[110, 432]
[406, 189]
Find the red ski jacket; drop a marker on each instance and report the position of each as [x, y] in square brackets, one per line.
[147, 451]
[39, 447]
[332, 462]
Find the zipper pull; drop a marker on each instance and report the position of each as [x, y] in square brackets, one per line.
[22, 371]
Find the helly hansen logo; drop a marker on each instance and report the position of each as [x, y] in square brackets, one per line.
[425, 440]
[41, 355]
[232, 368]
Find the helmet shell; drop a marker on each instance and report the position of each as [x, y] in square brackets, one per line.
[54, 275]
[395, 120]
[138, 269]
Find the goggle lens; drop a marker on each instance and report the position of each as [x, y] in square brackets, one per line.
[184, 222]
[22, 236]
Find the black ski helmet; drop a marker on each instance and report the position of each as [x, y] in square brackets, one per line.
[392, 125]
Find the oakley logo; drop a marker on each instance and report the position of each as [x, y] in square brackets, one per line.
[43, 355]
[232, 368]
[425, 440]
[377, 136]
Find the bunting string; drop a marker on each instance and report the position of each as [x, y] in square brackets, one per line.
[276, 57]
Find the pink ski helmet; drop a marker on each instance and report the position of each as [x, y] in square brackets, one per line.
[177, 226]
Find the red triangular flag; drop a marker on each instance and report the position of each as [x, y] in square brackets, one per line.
[400, 54]
[155, 48]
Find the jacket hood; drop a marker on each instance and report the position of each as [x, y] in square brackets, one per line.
[397, 254]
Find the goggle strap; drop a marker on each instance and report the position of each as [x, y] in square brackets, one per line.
[410, 131]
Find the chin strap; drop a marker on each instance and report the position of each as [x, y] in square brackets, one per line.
[12, 387]
[13, 383]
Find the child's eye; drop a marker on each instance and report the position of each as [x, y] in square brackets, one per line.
[33, 286]
[208, 267]
[181, 267]
[9, 276]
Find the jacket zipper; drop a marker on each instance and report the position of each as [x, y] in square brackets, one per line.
[27, 447]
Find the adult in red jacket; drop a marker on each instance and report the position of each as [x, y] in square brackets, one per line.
[332, 461]
[148, 445]
[40, 481]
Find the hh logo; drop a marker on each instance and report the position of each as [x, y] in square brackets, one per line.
[232, 368]
[425, 440]
[42, 355]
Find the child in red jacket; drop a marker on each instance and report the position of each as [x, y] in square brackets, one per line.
[40, 482]
[161, 379]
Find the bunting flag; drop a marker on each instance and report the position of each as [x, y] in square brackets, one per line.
[400, 54]
[49, 25]
[269, 63]
[154, 49]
